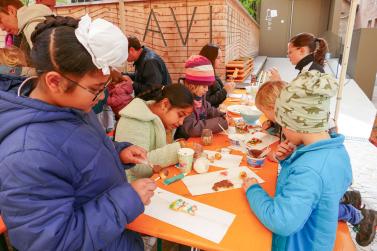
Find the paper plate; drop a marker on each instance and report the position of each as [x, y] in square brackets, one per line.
[237, 109]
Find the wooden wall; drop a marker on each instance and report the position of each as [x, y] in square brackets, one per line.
[233, 29]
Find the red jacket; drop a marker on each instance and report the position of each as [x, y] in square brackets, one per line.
[120, 95]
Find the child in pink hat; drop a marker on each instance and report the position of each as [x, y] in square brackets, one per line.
[199, 75]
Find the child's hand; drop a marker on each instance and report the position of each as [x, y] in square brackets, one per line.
[274, 75]
[133, 154]
[144, 188]
[266, 124]
[229, 87]
[248, 182]
[271, 156]
[284, 149]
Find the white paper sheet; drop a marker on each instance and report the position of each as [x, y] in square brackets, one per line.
[203, 183]
[267, 140]
[226, 161]
[235, 95]
[208, 222]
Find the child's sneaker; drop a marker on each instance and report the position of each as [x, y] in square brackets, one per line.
[367, 227]
[353, 198]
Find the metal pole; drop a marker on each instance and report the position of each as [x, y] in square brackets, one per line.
[346, 52]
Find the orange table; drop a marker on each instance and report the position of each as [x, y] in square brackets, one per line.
[3, 228]
[245, 233]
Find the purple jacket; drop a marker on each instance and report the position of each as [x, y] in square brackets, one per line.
[207, 117]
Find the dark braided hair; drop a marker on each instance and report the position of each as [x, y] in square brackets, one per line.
[178, 95]
[55, 47]
[317, 46]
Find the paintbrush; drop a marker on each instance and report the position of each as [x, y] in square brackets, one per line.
[222, 128]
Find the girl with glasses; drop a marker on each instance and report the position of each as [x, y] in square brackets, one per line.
[62, 181]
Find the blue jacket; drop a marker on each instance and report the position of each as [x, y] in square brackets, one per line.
[62, 185]
[303, 215]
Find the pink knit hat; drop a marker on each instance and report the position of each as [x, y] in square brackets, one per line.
[199, 71]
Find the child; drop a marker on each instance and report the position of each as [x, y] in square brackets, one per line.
[62, 182]
[265, 102]
[218, 91]
[306, 52]
[303, 213]
[120, 95]
[350, 206]
[145, 123]
[199, 74]
[13, 62]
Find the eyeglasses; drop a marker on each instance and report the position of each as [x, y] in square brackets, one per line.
[95, 93]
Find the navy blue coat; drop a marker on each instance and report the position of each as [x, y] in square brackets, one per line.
[62, 184]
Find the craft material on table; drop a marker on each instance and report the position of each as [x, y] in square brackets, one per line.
[235, 95]
[238, 109]
[208, 222]
[223, 160]
[260, 140]
[218, 181]
[174, 178]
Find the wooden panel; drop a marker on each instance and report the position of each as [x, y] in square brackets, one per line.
[234, 31]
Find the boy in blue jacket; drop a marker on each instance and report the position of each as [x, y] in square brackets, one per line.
[303, 215]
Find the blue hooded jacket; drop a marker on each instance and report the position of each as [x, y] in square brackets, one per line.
[303, 215]
[62, 184]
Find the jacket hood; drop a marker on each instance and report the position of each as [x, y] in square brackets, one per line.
[16, 112]
[138, 109]
[336, 141]
[28, 13]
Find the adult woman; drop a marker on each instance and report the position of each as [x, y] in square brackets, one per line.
[62, 180]
[306, 52]
[218, 91]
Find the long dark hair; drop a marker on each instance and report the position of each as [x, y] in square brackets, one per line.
[56, 48]
[178, 95]
[210, 51]
[317, 46]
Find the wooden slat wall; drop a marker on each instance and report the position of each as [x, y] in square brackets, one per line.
[232, 29]
[242, 33]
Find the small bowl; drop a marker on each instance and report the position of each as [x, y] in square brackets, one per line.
[251, 117]
[255, 162]
[235, 139]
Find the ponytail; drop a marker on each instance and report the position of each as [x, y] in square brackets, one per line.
[317, 46]
[178, 95]
[321, 50]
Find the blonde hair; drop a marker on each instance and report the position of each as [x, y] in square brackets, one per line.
[12, 56]
[268, 93]
[193, 88]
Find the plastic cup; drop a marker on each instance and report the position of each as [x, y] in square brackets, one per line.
[255, 162]
[185, 159]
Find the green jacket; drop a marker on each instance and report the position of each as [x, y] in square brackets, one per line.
[140, 126]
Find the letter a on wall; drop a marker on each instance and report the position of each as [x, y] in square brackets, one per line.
[158, 27]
